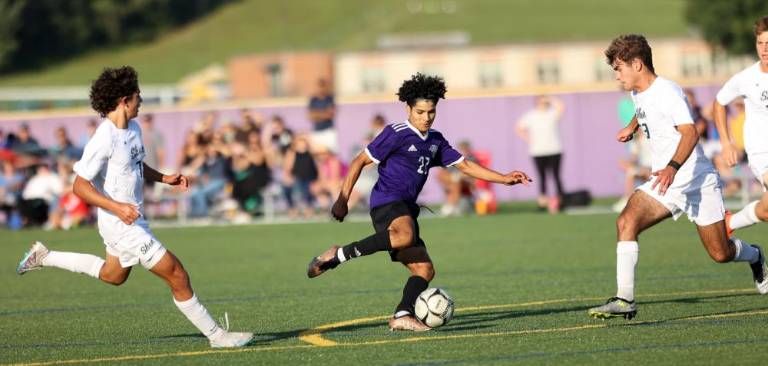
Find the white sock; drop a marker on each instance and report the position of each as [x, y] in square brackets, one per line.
[340, 255]
[626, 260]
[199, 316]
[745, 217]
[74, 262]
[745, 252]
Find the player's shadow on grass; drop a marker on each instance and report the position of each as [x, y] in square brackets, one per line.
[259, 339]
[487, 319]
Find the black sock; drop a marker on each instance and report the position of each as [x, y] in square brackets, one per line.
[372, 244]
[413, 287]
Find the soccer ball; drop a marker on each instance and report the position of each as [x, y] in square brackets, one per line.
[434, 307]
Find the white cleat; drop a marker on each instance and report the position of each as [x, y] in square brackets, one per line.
[227, 339]
[760, 272]
[33, 258]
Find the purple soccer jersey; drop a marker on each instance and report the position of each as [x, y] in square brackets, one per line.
[404, 157]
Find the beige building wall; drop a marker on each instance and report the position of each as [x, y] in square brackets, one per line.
[511, 68]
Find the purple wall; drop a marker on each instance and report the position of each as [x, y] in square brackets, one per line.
[588, 130]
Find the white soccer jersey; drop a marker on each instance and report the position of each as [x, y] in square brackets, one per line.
[659, 109]
[751, 84]
[113, 162]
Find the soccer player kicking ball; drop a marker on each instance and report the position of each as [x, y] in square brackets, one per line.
[404, 153]
[752, 84]
[683, 179]
[110, 176]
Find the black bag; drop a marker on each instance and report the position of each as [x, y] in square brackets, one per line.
[576, 199]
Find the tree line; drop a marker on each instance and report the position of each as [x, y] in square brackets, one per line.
[34, 33]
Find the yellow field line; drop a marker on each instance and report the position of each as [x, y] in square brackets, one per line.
[315, 337]
[316, 332]
[161, 355]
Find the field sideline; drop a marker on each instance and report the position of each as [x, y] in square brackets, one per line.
[521, 281]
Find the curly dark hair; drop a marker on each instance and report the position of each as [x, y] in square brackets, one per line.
[112, 85]
[628, 47]
[422, 86]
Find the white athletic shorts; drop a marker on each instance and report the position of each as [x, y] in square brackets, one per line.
[132, 244]
[701, 201]
[758, 163]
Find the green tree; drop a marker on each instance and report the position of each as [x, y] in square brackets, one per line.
[727, 23]
[34, 33]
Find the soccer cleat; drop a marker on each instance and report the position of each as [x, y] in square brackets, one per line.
[407, 322]
[728, 230]
[323, 262]
[33, 258]
[232, 339]
[760, 272]
[227, 339]
[615, 307]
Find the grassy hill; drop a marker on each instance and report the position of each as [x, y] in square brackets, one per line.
[251, 26]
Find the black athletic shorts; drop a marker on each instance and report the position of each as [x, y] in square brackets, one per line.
[383, 216]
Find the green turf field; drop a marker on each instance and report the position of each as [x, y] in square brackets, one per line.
[522, 283]
[244, 27]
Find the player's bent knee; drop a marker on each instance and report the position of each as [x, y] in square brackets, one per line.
[402, 238]
[626, 225]
[114, 280]
[424, 270]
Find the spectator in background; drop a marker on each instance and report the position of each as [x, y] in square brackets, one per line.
[299, 174]
[252, 173]
[250, 122]
[71, 209]
[24, 144]
[90, 129]
[11, 183]
[331, 171]
[206, 126]
[377, 125]
[40, 195]
[540, 128]
[64, 150]
[282, 136]
[191, 152]
[457, 186]
[322, 112]
[213, 173]
[3, 140]
[154, 142]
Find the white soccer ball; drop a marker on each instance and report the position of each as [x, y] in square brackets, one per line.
[434, 307]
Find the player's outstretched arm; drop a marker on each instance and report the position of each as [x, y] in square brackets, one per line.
[84, 189]
[475, 170]
[152, 175]
[340, 208]
[729, 151]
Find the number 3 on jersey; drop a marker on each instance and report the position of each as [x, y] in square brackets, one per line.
[423, 165]
[645, 130]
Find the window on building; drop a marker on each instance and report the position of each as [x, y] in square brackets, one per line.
[548, 72]
[693, 65]
[490, 75]
[603, 71]
[373, 80]
[275, 80]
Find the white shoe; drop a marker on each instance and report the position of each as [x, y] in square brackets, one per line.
[227, 339]
[33, 258]
[760, 272]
